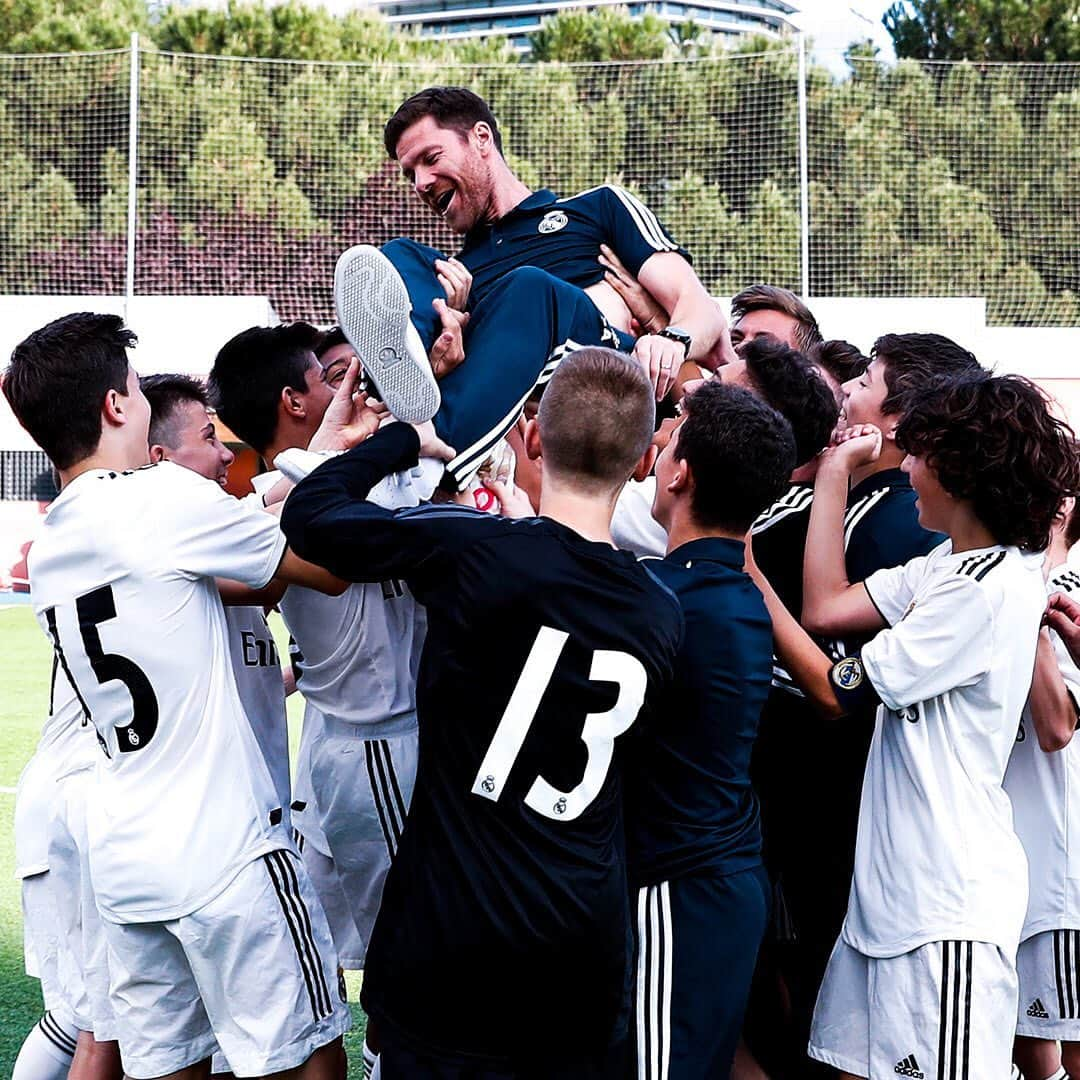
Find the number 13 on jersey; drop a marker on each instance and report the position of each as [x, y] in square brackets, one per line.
[598, 734]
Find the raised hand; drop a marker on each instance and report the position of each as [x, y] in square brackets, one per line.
[853, 447]
[351, 416]
[431, 446]
[644, 308]
[1063, 617]
[449, 348]
[456, 281]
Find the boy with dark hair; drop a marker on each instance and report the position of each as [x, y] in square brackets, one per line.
[291, 390]
[123, 577]
[879, 520]
[357, 653]
[693, 832]
[923, 977]
[787, 380]
[509, 891]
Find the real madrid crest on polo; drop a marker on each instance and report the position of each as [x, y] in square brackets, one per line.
[552, 222]
[563, 237]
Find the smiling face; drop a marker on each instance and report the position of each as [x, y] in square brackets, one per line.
[196, 445]
[450, 170]
[864, 396]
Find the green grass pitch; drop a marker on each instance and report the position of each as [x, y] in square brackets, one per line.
[25, 663]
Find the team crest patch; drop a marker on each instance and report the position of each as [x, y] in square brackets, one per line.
[848, 674]
[553, 222]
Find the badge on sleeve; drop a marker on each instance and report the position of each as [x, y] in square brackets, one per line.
[848, 674]
[553, 222]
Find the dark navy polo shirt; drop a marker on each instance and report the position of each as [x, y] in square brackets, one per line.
[563, 237]
[690, 807]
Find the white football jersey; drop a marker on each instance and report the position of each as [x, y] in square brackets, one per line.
[1045, 793]
[357, 653]
[257, 670]
[66, 744]
[122, 577]
[633, 528]
[937, 857]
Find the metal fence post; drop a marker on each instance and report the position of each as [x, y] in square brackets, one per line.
[133, 173]
[804, 175]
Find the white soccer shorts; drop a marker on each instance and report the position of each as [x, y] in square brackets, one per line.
[364, 790]
[945, 1011]
[253, 971]
[324, 876]
[82, 960]
[1048, 966]
[40, 948]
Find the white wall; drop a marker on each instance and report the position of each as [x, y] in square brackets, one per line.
[176, 333]
[182, 333]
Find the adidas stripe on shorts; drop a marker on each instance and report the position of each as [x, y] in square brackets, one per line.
[1048, 967]
[365, 786]
[253, 971]
[945, 1011]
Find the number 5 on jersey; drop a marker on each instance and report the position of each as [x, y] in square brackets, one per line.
[598, 735]
[94, 608]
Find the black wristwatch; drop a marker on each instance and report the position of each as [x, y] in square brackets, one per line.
[675, 333]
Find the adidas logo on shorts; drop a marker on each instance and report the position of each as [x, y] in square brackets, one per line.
[909, 1067]
[1038, 1010]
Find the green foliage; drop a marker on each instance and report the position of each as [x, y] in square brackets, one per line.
[1027, 30]
[924, 178]
[48, 26]
[583, 36]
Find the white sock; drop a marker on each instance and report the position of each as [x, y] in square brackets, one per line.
[371, 1062]
[47, 1051]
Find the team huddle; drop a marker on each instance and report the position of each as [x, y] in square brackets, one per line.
[682, 699]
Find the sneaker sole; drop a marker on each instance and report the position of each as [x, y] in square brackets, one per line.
[373, 307]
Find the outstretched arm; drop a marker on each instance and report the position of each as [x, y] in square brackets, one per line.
[328, 521]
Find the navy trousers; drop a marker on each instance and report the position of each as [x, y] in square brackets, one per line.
[515, 338]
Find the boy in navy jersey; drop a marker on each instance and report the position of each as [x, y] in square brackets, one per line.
[507, 902]
[693, 829]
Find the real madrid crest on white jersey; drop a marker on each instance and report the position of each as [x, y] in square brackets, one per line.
[552, 222]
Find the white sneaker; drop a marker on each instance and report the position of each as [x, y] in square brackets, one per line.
[373, 306]
[426, 475]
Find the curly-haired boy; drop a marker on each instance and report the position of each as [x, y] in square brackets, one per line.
[922, 981]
